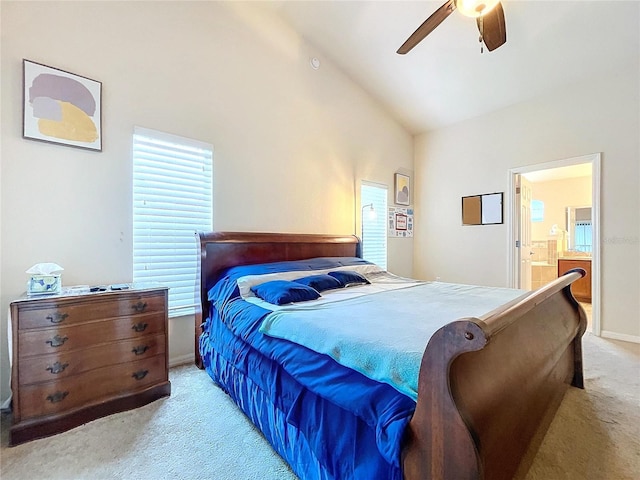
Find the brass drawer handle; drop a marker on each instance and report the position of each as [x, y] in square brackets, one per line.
[57, 397]
[57, 367]
[140, 349]
[57, 341]
[57, 317]
[139, 307]
[140, 327]
[140, 374]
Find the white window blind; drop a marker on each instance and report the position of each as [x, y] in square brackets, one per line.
[374, 224]
[172, 200]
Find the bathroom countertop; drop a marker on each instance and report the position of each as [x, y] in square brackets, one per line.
[542, 264]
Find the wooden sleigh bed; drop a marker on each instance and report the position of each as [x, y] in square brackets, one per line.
[488, 387]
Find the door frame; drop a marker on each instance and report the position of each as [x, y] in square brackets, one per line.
[513, 219]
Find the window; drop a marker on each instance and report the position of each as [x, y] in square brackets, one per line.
[537, 211]
[172, 200]
[374, 224]
[580, 229]
[583, 235]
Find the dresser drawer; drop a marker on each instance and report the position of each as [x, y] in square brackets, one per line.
[63, 339]
[45, 368]
[80, 390]
[71, 311]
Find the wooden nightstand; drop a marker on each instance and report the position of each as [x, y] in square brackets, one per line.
[80, 357]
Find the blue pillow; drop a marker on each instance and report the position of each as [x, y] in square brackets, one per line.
[280, 292]
[349, 278]
[319, 282]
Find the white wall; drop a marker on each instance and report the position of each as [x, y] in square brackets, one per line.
[601, 114]
[291, 144]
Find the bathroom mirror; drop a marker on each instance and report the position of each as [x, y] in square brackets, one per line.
[579, 229]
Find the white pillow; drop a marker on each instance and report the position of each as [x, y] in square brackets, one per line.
[245, 283]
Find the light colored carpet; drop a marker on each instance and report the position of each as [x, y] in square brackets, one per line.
[595, 435]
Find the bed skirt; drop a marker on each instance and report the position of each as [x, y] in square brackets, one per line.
[288, 414]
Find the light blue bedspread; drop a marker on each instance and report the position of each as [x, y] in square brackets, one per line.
[384, 335]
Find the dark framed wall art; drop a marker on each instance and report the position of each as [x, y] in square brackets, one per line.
[483, 209]
[61, 107]
[402, 189]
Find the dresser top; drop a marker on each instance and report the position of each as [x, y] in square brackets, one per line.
[81, 290]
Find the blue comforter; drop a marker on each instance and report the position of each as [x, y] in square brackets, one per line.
[383, 334]
[351, 425]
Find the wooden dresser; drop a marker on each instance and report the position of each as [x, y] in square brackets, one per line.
[581, 289]
[79, 357]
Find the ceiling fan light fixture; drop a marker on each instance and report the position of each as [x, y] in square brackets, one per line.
[475, 8]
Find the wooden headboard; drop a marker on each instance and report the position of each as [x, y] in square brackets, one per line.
[221, 250]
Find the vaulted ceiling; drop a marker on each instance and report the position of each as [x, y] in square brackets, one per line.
[445, 79]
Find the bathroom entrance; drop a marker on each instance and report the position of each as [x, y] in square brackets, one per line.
[555, 227]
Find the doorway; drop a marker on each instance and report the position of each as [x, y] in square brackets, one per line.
[537, 250]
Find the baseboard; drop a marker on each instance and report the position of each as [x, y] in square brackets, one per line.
[620, 336]
[181, 360]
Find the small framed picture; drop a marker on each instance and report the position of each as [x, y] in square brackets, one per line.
[402, 189]
[61, 107]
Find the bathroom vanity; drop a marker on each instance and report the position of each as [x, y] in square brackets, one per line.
[581, 289]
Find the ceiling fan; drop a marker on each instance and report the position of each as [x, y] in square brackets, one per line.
[489, 16]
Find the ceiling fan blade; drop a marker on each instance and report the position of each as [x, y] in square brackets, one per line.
[492, 27]
[428, 26]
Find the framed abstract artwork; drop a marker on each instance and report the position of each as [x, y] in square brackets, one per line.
[61, 107]
[402, 189]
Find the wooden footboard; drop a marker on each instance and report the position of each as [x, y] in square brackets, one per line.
[489, 387]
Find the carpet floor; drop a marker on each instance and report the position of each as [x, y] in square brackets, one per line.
[595, 434]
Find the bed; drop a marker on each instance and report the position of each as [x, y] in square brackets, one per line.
[486, 386]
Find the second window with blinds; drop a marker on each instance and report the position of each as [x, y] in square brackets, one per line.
[172, 200]
[373, 200]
